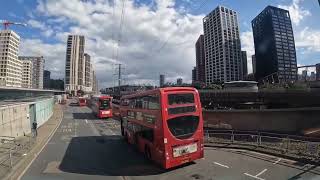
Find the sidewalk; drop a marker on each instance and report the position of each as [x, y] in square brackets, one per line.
[29, 147]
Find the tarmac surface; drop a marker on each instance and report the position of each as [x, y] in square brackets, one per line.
[84, 147]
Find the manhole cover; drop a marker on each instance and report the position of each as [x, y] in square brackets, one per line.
[197, 176]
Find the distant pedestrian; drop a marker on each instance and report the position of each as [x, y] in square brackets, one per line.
[34, 128]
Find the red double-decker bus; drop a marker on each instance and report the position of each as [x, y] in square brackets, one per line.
[166, 124]
[101, 106]
[82, 101]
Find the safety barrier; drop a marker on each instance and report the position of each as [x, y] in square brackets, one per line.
[282, 143]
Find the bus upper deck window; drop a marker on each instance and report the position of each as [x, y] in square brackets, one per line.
[180, 98]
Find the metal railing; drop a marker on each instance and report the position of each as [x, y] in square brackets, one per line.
[298, 146]
[12, 149]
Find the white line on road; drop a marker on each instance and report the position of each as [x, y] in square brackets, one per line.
[277, 161]
[255, 177]
[222, 165]
[263, 171]
[86, 121]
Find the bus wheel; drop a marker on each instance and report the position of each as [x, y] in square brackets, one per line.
[121, 127]
[147, 152]
[125, 137]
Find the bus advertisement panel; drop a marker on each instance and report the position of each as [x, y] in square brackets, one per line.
[166, 124]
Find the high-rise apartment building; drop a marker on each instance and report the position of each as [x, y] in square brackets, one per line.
[37, 70]
[27, 74]
[162, 80]
[274, 45]
[194, 74]
[10, 65]
[46, 79]
[200, 60]
[94, 82]
[75, 65]
[179, 81]
[244, 67]
[253, 57]
[87, 71]
[318, 72]
[222, 46]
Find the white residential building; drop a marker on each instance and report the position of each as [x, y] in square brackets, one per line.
[10, 65]
[37, 71]
[75, 64]
[27, 74]
[222, 46]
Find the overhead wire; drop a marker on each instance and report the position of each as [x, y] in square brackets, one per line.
[203, 3]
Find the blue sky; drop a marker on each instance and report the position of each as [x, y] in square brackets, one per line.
[157, 36]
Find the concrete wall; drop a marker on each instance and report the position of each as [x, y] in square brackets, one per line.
[15, 119]
[275, 120]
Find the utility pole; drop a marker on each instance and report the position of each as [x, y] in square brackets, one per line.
[119, 76]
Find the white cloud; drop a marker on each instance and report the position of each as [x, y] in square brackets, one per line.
[36, 24]
[54, 54]
[308, 39]
[247, 44]
[145, 31]
[45, 30]
[297, 13]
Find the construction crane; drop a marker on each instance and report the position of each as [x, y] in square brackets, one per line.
[7, 23]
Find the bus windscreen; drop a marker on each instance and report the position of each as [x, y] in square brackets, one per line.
[185, 98]
[104, 104]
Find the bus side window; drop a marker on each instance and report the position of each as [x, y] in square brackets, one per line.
[145, 101]
[154, 102]
[138, 103]
[132, 103]
[124, 102]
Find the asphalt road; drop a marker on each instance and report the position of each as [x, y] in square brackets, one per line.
[84, 147]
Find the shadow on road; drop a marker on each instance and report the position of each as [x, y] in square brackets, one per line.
[73, 104]
[85, 116]
[299, 176]
[105, 155]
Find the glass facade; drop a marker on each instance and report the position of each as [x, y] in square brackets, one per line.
[274, 46]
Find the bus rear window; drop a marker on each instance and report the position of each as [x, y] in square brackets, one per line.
[180, 98]
[183, 127]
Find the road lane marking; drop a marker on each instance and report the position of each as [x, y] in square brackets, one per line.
[86, 121]
[255, 177]
[263, 171]
[277, 161]
[222, 165]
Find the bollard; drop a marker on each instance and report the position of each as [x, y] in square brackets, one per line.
[288, 143]
[232, 136]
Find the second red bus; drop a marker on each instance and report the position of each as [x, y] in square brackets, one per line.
[82, 101]
[101, 106]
